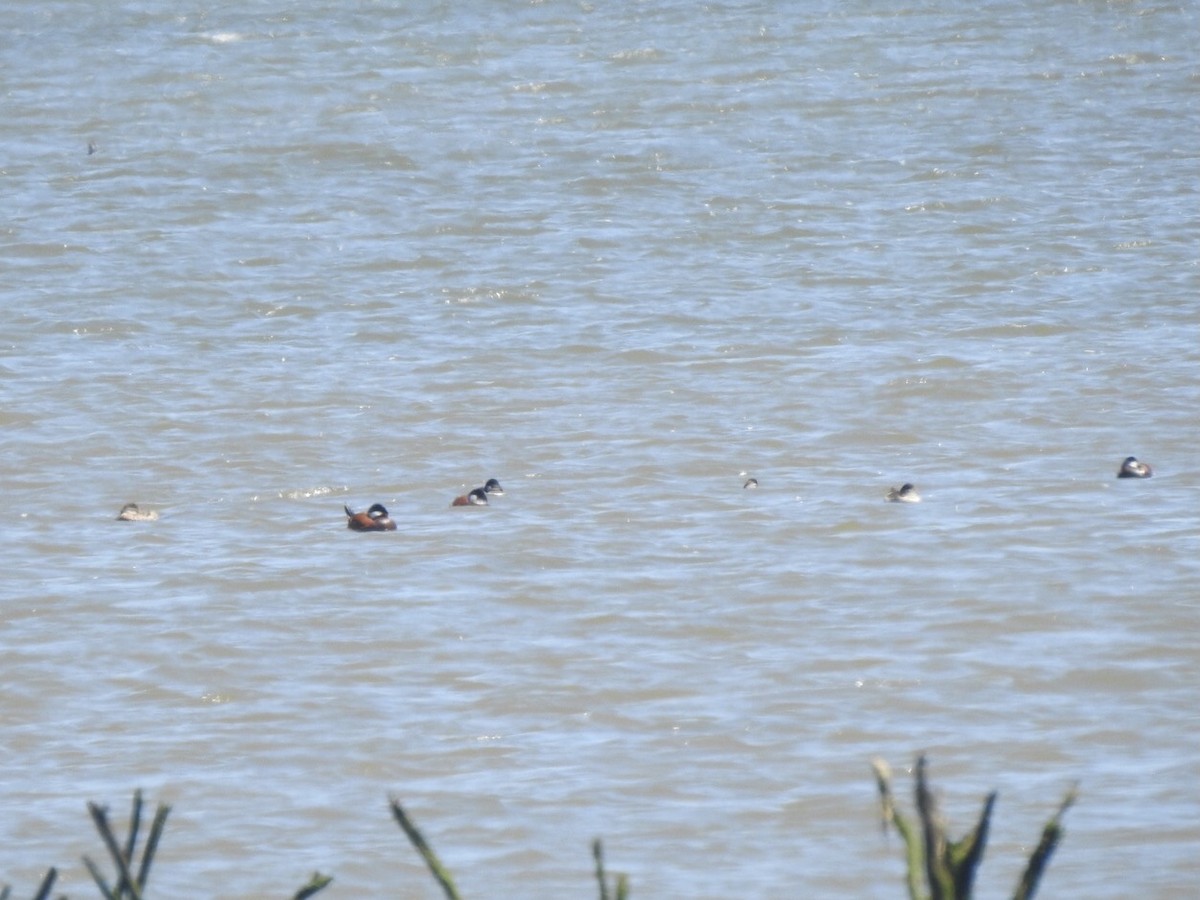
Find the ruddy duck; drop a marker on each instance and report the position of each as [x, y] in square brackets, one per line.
[752, 483]
[374, 519]
[906, 493]
[130, 513]
[1131, 468]
[477, 497]
[493, 487]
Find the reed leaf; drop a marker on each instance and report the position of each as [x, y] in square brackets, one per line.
[440, 872]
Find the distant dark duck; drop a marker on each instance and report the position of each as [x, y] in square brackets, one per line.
[752, 483]
[477, 497]
[906, 493]
[374, 519]
[1131, 468]
[493, 487]
[130, 513]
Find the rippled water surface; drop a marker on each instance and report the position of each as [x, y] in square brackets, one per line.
[621, 257]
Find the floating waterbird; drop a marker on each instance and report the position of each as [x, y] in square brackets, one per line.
[374, 519]
[477, 497]
[906, 493]
[1132, 468]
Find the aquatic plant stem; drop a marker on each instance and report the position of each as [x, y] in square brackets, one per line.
[124, 881]
[316, 883]
[435, 865]
[598, 856]
[156, 830]
[135, 821]
[47, 884]
[947, 868]
[913, 847]
[1051, 835]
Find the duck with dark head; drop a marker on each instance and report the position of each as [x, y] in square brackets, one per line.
[374, 519]
[1134, 468]
[906, 493]
[477, 497]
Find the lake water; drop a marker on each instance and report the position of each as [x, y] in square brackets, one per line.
[622, 257]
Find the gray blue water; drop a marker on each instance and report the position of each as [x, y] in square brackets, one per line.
[623, 258]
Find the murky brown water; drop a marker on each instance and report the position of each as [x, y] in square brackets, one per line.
[621, 260]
